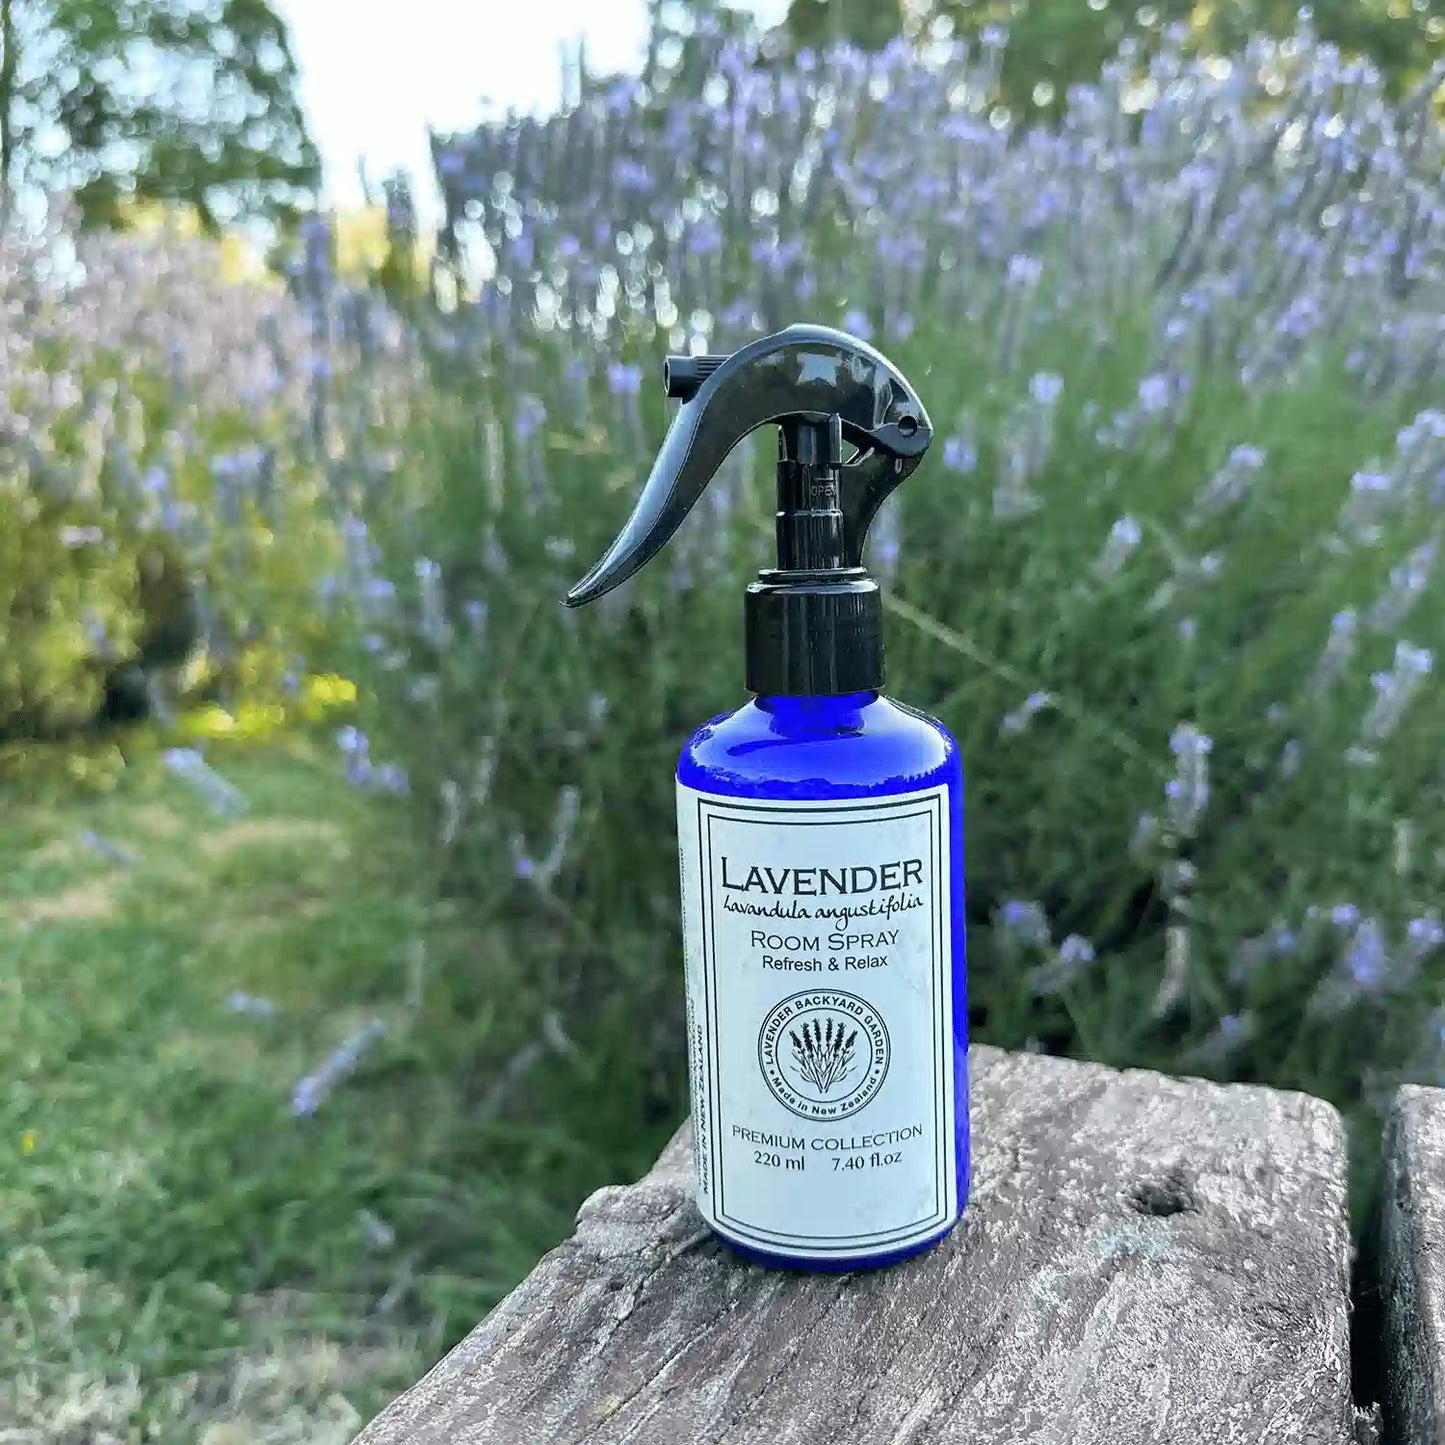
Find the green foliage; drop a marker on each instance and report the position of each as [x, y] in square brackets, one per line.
[816, 24]
[161, 526]
[1180, 374]
[48, 595]
[534, 701]
[178, 1251]
[154, 100]
[1166, 572]
[1053, 44]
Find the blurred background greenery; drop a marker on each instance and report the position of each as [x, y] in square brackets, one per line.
[338, 939]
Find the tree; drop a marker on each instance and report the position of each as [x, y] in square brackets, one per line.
[191, 101]
[1055, 43]
[868, 24]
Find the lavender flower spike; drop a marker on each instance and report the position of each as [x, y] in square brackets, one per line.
[315, 1088]
[1395, 689]
[1339, 648]
[1074, 955]
[543, 872]
[960, 455]
[1407, 585]
[1232, 1033]
[240, 1002]
[1187, 791]
[433, 626]
[1025, 921]
[1425, 934]
[1124, 536]
[1229, 486]
[223, 798]
[1016, 722]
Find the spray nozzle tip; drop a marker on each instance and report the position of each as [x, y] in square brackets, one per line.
[683, 376]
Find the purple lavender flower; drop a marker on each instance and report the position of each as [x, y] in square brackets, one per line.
[378, 1235]
[623, 379]
[530, 417]
[1187, 791]
[1230, 1035]
[1339, 648]
[1395, 689]
[960, 455]
[103, 847]
[1016, 722]
[240, 1002]
[361, 772]
[1371, 495]
[1024, 271]
[1229, 485]
[1145, 839]
[1124, 536]
[1366, 959]
[544, 871]
[312, 1091]
[1407, 585]
[1156, 394]
[220, 796]
[1423, 936]
[356, 749]
[1025, 921]
[1253, 954]
[433, 627]
[1072, 958]
[1046, 388]
[391, 778]
[1364, 970]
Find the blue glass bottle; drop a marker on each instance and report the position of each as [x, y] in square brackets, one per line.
[859, 745]
[820, 836]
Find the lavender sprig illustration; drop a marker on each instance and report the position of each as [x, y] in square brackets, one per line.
[822, 1054]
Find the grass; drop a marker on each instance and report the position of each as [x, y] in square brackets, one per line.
[183, 1259]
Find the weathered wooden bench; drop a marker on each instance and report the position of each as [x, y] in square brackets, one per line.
[1412, 1267]
[1143, 1259]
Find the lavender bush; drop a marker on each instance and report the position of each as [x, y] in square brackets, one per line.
[1167, 574]
[170, 445]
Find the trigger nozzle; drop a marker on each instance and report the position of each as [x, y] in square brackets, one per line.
[682, 376]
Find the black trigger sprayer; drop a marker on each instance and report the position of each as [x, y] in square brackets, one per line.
[813, 622]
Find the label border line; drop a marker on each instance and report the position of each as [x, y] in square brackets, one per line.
[933, 800]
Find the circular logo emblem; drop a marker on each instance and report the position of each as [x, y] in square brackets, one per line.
[823, 1053]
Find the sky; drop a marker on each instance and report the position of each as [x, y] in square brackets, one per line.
[376, 73]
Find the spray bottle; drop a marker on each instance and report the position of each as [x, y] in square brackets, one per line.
[820, 828]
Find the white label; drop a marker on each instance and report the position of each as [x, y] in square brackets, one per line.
[820, 1019]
